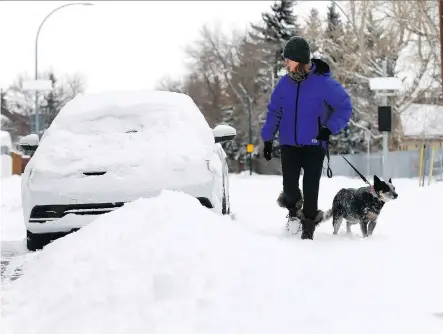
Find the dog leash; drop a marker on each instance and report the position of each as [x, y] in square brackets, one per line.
[352, 166]
[329, 170]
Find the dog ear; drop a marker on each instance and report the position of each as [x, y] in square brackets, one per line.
[390, 181]
[376, 180]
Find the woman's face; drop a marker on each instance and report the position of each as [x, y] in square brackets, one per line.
[291, 65]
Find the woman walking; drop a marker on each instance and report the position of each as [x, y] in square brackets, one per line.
[306, 107]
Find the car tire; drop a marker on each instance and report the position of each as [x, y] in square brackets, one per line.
[35, 241]
[224, 205]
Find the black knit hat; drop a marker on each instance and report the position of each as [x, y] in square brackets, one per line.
[297, 49]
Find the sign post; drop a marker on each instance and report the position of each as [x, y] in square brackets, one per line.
[368, 141]
[385, 86]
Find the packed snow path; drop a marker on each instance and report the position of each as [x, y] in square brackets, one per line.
[159, 267]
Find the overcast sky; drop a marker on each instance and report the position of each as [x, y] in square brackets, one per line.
[115, 44]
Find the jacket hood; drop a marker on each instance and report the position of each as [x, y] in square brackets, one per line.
[321, 67]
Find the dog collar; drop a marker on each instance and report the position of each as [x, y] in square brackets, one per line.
[372, 191]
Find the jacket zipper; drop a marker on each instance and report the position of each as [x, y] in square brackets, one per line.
[296, 113]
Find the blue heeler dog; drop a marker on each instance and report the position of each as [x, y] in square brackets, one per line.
[362, 205]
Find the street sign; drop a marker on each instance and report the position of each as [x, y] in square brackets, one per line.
[37, 85]
[385, 83]
[250, 148]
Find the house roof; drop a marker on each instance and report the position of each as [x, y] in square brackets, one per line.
[422, 120]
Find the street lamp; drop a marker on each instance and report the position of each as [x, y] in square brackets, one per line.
[37, 118]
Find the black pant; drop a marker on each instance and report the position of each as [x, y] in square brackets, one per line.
[293, 159]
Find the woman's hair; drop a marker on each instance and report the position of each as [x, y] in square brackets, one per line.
[301, 72]
[303, 68]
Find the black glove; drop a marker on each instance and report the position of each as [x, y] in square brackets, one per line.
[267, 151]
[324, 134]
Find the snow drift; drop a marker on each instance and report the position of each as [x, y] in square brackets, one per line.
[12, 227]
[6, 159]
[168, 265]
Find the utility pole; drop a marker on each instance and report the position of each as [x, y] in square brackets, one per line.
[250, 147]
[384, 102]
[368, 152]
[440, 16]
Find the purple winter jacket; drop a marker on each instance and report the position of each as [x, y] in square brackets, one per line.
[298, 109]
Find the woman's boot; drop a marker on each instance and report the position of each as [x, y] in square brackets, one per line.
[309, 225]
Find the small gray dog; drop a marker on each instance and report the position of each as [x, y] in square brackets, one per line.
[362, 206]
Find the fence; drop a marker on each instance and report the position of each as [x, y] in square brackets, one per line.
[400, 164]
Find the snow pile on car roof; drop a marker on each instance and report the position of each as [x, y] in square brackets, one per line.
[130, 128]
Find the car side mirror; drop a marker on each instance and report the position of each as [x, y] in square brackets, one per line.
[223, 133]
[29, 142]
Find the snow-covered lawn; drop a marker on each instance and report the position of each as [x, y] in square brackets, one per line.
[167, 265]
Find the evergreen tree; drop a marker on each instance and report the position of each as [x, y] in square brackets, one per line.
[334, 37]
[333, 21]
[5, 123]
[53, 102]
[278, 27]
[314, 32]
[333, 54]
[3, 100]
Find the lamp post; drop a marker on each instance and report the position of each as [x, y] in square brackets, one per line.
[37, 117]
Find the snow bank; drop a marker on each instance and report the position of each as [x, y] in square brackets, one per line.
[122, 130]
[12, 225]
[6, 165]
[167, 265]
[6, 159]
[146, 268]
[5, 139]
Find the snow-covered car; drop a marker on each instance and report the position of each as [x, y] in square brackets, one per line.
[106, 149]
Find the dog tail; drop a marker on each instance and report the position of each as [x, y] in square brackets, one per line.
[327, 215]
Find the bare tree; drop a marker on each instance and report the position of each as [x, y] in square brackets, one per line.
[21, 104]
[75, 84]
[400, 32]
[224, 71]
[238, 62]
[417, 22]
[171, 85]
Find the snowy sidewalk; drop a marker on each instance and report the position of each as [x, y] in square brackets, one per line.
[148, 268]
